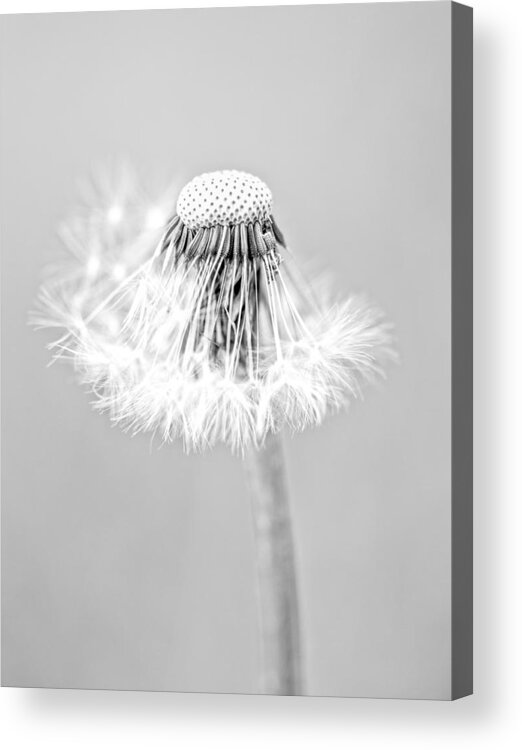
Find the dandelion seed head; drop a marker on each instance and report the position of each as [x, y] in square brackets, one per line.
[226, 197]
[209, 337]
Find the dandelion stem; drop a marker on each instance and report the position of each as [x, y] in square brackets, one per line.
[278, 601]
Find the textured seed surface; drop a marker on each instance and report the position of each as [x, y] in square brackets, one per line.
[227, 197]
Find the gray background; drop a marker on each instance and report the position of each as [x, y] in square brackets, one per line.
[131, 568]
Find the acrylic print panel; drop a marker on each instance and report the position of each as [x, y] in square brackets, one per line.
[254, 535]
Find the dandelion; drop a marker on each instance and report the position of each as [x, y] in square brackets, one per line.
[206, 332]
[226, 343]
